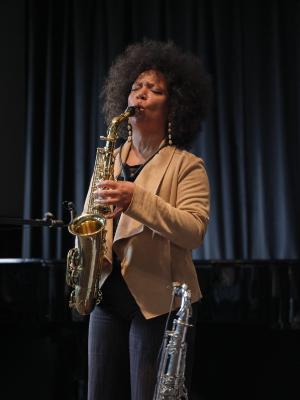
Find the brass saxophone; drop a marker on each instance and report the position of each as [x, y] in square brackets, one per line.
[85, 261]
[170, 379]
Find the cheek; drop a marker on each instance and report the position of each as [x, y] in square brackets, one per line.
[164, 105]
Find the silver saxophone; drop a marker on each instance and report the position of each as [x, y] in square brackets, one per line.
[170, 383]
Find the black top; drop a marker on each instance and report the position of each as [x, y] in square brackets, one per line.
[130, 172]
[116, 295]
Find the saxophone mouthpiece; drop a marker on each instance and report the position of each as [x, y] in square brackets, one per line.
[131, 110]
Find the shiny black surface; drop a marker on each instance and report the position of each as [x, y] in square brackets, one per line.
[245, 292]
[251, 292]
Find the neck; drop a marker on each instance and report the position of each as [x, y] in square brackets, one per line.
[144, 145]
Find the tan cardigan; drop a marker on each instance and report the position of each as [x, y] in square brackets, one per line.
[166, 219]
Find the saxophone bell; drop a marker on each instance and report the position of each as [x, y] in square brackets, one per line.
[86, 225]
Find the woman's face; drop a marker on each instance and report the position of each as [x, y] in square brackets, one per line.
[149, 92]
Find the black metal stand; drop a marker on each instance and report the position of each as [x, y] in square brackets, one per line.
[48, 220]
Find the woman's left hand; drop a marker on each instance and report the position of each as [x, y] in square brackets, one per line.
[116, 193]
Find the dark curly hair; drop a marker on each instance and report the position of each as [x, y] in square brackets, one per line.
[189, 86]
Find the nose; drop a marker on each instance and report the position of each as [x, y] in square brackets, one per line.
[141, 95]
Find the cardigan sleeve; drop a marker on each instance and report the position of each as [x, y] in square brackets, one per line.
[185, 223]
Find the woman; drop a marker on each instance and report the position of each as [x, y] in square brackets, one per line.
[160, 213]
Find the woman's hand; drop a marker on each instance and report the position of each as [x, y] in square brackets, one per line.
[116, 193]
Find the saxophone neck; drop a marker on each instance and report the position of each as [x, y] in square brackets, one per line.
[112, 129]
[185, 310]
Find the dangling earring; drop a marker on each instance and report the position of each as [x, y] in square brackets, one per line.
[129, 128]
[170, 133]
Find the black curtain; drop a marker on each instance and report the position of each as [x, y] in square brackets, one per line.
[250, 142]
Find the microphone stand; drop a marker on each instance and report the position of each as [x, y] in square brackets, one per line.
[48, 220]
[52, 308]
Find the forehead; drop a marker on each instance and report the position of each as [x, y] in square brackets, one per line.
[152, 76]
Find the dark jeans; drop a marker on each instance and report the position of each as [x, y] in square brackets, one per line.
[124, 346]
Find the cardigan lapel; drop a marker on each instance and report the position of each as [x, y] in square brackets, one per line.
[149, 178]
[121, 155]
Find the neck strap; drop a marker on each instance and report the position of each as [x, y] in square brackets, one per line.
[141, 166]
